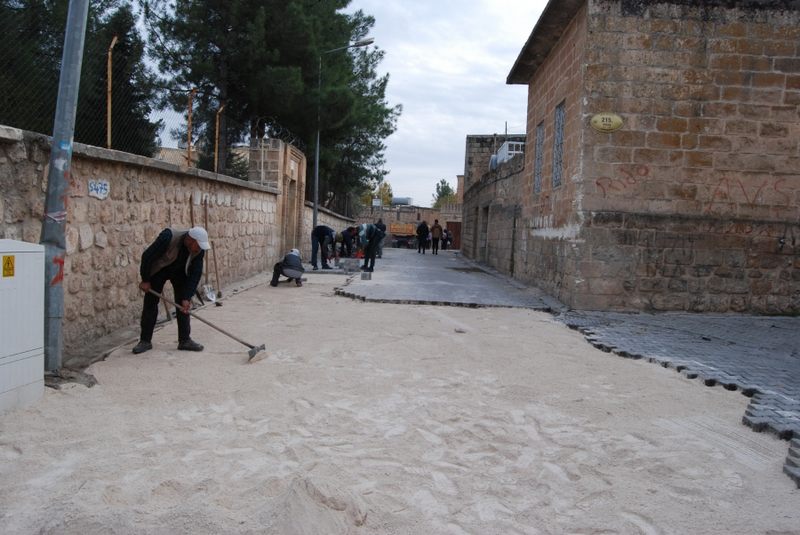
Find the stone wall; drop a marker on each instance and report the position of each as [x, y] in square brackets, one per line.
[485, 192]
[694, 203]
[118, 203]
[551, 240]
[493, 220]
[324, 217]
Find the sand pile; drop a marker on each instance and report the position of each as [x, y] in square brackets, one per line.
[387, 419]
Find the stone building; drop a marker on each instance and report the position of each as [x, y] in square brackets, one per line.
[662, 160]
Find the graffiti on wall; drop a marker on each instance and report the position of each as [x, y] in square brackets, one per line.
[733, 190]
[727, 190]
[626, 177]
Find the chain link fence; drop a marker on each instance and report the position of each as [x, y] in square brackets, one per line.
[123, 104]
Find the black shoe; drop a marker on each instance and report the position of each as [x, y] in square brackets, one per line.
[314, 268]
[326, 267]
[142, 346]
[189, 345]
[273, 283]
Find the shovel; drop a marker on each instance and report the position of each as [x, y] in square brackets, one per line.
[254, 350]
[210, 294]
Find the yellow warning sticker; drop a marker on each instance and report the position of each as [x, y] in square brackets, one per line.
[8, 266]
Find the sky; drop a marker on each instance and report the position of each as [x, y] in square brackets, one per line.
[447, 62]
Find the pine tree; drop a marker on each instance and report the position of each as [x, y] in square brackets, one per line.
[30, 57]
[261, 59]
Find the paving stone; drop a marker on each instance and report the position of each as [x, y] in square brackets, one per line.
[793, 472]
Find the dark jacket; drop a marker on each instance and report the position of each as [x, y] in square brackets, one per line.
[422, 231]
[292, 266]
[370, 235]
[168, 252]
[321, 232]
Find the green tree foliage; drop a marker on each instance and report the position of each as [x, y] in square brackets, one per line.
[273, 60]
[227, 51]
[444, 194]
[30, 56]
[383, 192]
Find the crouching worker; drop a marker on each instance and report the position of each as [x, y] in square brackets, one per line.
[291, 266]
[175, 256]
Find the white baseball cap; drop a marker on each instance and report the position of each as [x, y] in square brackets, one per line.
[201, 236]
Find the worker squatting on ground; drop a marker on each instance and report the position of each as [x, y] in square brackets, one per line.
[291, 266]
[175, 256]
[322, 237]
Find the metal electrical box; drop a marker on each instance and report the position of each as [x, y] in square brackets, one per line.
[21, 323]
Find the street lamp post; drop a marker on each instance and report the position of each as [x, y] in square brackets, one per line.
[357, 44]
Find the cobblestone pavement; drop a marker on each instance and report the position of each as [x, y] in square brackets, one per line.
[755, 354]
[758, 355]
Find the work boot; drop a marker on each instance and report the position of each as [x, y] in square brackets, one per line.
[189, 345]
[298, 282]
[326, 266]
[141, 347]
[314, 268]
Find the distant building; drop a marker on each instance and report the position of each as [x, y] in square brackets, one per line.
[662, 159]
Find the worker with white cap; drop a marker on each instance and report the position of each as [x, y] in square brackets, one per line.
[291, 266]
[175, 256]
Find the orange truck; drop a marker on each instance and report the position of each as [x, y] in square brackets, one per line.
[402, 234]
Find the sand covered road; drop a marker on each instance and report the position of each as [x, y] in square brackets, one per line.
[387, 419]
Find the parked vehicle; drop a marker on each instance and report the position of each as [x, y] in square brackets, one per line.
[403, 234]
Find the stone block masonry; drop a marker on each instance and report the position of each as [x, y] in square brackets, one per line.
[118, 203]
[693, 204]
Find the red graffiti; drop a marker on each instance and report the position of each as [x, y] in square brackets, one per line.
[734, 191]
[628, 177]
[59, 278]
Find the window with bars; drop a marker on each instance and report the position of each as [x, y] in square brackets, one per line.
[558, 145]
[538, 161]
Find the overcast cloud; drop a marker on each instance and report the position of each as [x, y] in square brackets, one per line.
[447, 62]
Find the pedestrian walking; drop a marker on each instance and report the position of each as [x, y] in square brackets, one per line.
[422, 237]
[436, 235]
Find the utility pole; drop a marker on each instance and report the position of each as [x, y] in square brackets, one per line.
[55, 215]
